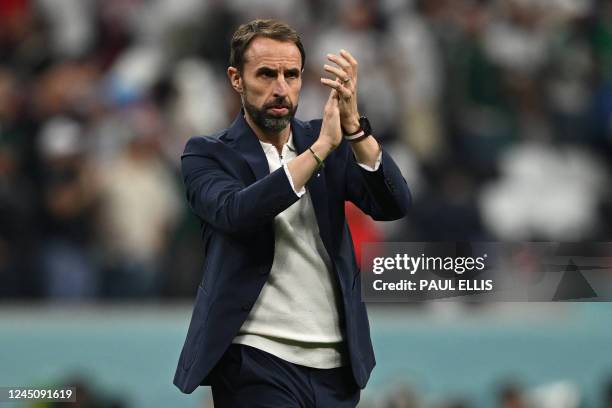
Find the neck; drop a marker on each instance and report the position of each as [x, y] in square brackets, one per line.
[277, 139]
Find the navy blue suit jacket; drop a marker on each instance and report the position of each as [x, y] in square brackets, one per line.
[230, 188]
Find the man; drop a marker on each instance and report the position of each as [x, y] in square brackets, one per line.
[278, 318]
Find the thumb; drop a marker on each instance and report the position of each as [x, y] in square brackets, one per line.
[332, 99]
[332, 94]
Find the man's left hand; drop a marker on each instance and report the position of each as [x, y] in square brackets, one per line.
[346, 85]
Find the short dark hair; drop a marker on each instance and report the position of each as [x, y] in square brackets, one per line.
[273, 29]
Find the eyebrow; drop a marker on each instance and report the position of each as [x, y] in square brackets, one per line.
[266, 70]
[274, 72]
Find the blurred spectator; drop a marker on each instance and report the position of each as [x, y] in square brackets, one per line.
[402, 397]
[420, 81]
[140, 208]
[545, 193]
[562, 394]
[70, 25]
[17, 210]
[66, 261]
[511, 396]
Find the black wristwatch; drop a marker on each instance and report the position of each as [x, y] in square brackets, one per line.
[364, 131]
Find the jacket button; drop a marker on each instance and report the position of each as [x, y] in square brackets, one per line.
[264, 271]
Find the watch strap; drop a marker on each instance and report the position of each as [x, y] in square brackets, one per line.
[355, 136]
[364, 131]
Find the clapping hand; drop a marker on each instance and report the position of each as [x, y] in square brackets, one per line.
[345, 85]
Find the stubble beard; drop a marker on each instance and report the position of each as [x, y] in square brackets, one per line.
[267, 122]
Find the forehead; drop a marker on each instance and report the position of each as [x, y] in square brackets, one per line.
[264, 51]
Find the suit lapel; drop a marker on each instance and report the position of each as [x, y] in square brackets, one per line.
[303, 138]
[243, 139]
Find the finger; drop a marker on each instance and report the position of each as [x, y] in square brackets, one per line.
[332, 102]
[347, 55]
[337, 72]
[333, 94]
[338, 87]
[333, 84]
[334, 98]
[340, 61]
[344, 92]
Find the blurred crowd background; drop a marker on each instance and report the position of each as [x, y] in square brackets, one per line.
[498, 112]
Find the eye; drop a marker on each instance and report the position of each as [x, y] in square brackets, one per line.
[266, 73]
[292, 74]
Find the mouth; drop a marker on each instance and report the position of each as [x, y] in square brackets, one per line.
[278, 110]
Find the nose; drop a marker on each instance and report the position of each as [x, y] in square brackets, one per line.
[281, 87]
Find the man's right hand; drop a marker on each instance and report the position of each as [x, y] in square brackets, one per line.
[302, 167]
[330, 136]
[331, 132]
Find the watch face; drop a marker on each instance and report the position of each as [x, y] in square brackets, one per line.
[365, 125]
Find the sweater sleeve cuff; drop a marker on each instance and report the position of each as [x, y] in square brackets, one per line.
[363, 166]
[298, 193]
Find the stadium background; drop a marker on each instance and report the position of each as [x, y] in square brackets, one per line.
[498, 112]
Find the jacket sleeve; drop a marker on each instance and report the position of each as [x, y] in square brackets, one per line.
[383, 194]
[221, 199]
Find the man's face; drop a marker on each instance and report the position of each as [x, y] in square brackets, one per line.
[270, 82]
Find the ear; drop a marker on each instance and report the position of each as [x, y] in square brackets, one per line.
[235, 79]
